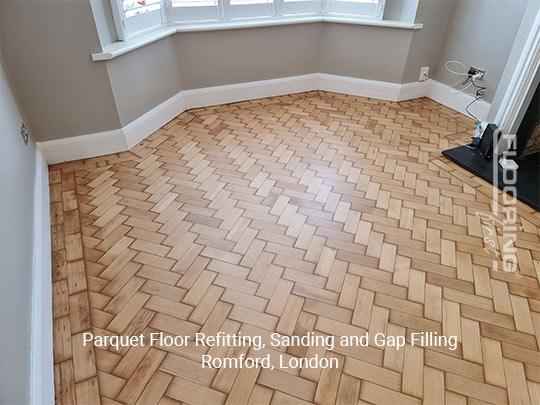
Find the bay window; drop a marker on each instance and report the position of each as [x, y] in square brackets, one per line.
[135, 17]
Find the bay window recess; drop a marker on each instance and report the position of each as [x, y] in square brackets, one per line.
[136, 17]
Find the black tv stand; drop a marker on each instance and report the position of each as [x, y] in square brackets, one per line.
[528, 176]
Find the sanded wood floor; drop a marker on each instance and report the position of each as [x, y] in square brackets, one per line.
[312, 212]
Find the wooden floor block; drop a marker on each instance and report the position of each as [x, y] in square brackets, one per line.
[314, 212]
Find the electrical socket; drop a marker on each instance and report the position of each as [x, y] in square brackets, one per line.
[477, 73]
[424, 74]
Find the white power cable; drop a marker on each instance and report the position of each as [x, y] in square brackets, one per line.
[457, 62]
[460, 81]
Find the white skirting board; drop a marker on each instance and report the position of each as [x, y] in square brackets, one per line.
[86, 146]
[83, 146]
[232, 93]
[359, 87]
[42, 372]
[457, 100]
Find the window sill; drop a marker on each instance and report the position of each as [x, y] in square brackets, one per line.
[119, 48]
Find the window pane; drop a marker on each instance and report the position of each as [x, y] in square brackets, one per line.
[234, 2]
[368, 8]
[301, 7]
[194, 3]
[242, 9]
[194, 10]
[136, 7]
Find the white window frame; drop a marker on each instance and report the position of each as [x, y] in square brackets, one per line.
[222, 11]
[126, 27]
[235, 12]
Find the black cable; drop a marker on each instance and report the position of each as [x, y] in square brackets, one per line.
[481, 89]
[470, 113]
[478, 95]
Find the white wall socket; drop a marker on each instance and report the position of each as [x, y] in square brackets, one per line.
[424, 74]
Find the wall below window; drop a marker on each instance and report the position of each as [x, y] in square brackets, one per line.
[373, 53]
[143, 79]
[216, 58]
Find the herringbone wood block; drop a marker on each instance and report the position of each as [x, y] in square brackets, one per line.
[312, 212]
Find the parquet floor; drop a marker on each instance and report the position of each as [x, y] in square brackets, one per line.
[313, 212]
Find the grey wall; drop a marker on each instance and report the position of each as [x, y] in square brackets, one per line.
[46, 45]
[233, 56]
[17, 170]
[480, 33]
[143, 79]
[425, 43]
[373, 53]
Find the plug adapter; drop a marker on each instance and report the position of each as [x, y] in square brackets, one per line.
[476, 73]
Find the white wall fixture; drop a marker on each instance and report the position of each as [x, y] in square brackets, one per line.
[424, 74]
[103, 143]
